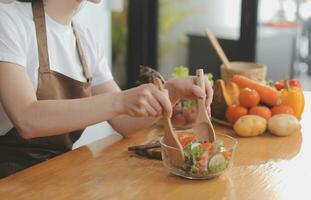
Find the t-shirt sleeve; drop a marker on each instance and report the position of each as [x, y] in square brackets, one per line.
[12, 40]
[102, 71]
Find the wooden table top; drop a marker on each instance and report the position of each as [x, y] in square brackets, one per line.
[265, 167]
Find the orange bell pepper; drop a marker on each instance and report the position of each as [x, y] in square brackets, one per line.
[293, 97]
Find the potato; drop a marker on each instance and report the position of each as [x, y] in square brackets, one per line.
[250, 125]
[283, 125]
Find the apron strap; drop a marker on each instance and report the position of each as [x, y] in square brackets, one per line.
[39, 19]
[86, 71]
[44, 64]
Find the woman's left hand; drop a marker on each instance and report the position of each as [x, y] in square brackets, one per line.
[185, 88]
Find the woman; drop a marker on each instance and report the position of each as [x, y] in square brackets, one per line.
[54, 82]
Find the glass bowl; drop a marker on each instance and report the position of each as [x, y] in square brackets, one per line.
[229, 145]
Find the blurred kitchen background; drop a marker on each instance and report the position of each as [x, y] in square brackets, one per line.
[164, 34]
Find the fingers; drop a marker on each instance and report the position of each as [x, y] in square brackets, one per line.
[150, 110]
[164, 101]
[155, 105]
[197, 91]
[153, 101]
[157, 102]
[209, 92]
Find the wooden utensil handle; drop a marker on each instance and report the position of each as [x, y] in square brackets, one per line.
[201, 84]
[201, 107]
[200, 80]
[218, 48]
[170, 137]
[166, 120]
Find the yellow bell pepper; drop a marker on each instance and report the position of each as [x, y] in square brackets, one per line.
[293, 97]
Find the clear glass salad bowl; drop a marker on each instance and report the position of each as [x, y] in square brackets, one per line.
[200, 164]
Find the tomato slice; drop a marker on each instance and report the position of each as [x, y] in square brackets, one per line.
[227, 155]
[207, 145]
[204, 161]
[185, 139]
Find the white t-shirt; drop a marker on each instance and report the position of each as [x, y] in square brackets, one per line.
[18, 44]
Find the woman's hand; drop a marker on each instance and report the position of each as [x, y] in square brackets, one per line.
[145, 101]
[186, 88]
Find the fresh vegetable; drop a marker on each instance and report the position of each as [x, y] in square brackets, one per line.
[261, 111]
[250, 125]
[282, 109]
[217, 163]
[210, 77]
[185, 139]
[268, 95]
[293, 83]
[293, 97]
[270, 83]
[233, 113]
[208, 146]
[249, 98]
[184, 112]
[217, 145]
[180, 71]
[230, 92]
[224, 95]
[283, 125]
[227, 155]
[233, 92]
[179, 120]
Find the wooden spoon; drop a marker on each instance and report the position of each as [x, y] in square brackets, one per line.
[218, 48]
[170, 138]
[203, 128]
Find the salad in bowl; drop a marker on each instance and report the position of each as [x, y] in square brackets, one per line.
[203, 160]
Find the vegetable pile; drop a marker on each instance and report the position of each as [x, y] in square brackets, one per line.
[253, 107]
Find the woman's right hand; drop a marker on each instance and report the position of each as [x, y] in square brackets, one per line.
[145, 101]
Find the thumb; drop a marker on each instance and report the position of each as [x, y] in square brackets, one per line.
[198, 92]
[168, 110]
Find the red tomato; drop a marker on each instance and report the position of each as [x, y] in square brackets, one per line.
[295, 83]
[233, 113]
[292, 83]
[279, 85]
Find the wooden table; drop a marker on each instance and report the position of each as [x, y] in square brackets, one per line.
[266, 167]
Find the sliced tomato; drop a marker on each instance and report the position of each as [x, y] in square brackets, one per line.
[185, 139]
[227, 155]
[203, 161]
[207, 145]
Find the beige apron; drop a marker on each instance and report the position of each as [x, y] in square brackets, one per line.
[17, 153]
